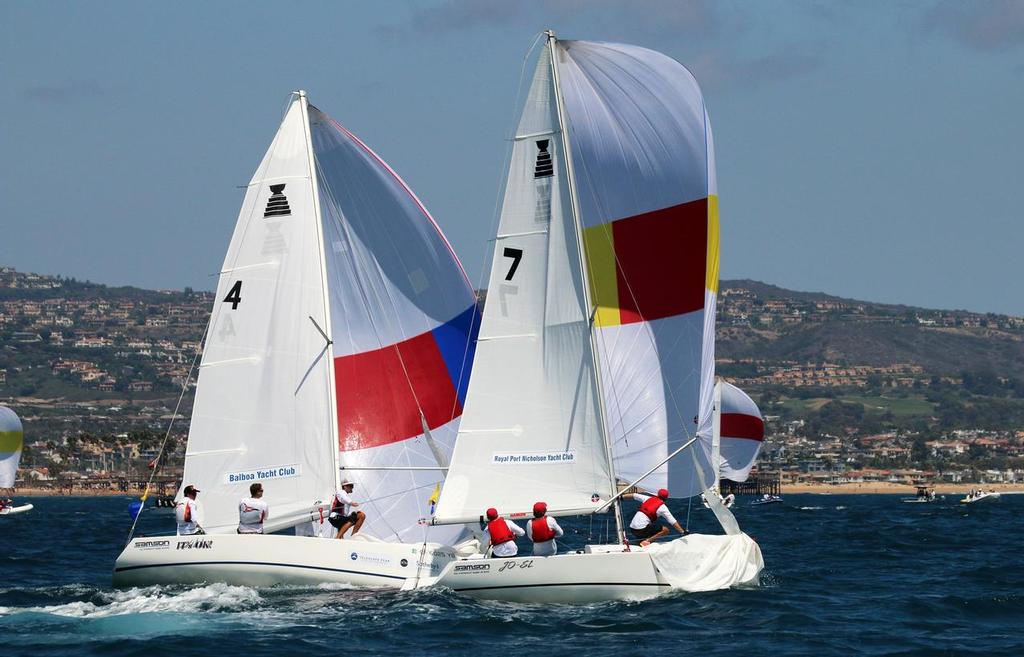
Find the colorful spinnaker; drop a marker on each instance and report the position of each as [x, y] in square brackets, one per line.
[742, 433]
[11, 442]
[342, 327]
[643, 158]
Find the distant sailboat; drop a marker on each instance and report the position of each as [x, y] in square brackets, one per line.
[595, 360]
[738, 435]
[12, 439]
[340, 340]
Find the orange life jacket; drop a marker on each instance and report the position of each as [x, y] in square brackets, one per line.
[499, 531]
[541, 531]
[650, 507]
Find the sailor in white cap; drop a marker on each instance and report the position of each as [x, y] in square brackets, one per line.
[342, 515]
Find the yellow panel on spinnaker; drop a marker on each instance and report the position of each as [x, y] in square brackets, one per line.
[711, 281]
[604, 285]
[10, 441]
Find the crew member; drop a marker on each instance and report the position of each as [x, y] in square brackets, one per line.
[252, 511]
[342, 515]
[501, 534]
[645, 523]
[543, 530]
[188, 513]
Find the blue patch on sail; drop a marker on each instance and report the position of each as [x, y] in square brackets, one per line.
[451, 339]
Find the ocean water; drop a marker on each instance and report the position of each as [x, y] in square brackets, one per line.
[845, 575]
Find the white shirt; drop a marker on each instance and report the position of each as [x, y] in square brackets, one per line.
[640, 520]
[251, 514]
[345, 500]
[189, 516]
[545, 548]
[508, 548]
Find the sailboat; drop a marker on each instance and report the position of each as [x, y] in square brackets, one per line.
[594, 367]
[12, 439]
[339, 345]
[738, 436]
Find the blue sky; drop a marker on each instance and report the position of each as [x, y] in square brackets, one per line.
[866, 149]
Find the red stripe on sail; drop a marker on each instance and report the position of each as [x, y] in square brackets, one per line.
[376, 405]
[660, 258]
[740, 425]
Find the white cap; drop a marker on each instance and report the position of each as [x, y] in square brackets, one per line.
[346, 482]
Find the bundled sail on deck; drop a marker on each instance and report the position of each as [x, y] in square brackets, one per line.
[341, 328]
[532, 424]
[643, 160]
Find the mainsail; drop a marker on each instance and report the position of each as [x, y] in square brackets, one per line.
[11, 442]
[643, 159]
[341, 328]
[531, 429]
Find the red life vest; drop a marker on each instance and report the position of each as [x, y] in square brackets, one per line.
[540, 530]
[499, 531]
[188, 512]
[650, 508]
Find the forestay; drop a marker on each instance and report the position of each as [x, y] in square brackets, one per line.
[263, 408]
[531, 428]
[402, 312]
[643, 159]
[11, 442]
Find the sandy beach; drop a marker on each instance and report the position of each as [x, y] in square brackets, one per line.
[876, 488]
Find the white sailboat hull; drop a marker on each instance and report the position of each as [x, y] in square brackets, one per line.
[703, 563]
[14, 510]
[980, 497]
[266, 560]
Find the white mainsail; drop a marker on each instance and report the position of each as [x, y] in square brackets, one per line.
[531, 430]
[11, 442]
[643, 158]
[263, 409]
[342, 327]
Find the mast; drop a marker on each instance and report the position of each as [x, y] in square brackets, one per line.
[332, 421]
[716, 435]
[573, 201]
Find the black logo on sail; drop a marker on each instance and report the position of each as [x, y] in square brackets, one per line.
[277, 204]
[544, 167]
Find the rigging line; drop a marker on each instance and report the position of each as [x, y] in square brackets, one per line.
[170, 425]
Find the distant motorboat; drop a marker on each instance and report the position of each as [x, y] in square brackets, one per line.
[924, 494]
[12, 510]
[767, 499]
[979, 495]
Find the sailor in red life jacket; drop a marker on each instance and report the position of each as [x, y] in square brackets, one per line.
[644, 524]
[543, 530]
[252, 511]
[188, 513]
[501, 534]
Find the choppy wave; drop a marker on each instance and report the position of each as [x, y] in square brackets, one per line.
[864, 575]
[213, 597]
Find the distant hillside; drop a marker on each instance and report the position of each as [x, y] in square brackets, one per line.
[766, 322]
